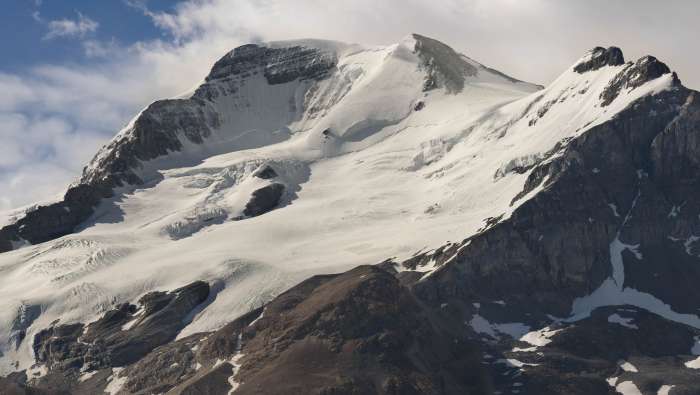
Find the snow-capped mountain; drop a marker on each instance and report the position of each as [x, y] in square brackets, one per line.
[525, 239]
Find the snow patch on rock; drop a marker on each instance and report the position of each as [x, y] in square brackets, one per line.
[626, 322]
[115, 382]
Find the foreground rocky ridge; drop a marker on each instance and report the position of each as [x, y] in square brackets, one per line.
[588, 287]
[364, 332]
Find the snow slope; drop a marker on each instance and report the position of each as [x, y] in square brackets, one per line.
[374, 167]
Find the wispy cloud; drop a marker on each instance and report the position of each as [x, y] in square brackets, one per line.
[79, 27]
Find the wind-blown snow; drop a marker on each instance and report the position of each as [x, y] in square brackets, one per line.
[384, 180]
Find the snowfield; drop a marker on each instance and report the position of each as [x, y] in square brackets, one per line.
[373, 168]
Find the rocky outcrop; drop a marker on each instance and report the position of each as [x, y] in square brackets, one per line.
[126, 334]
[600, 57]
[46, 223]
[675, 153]
[278, 65]
[264, 200]
[633, 76]
[266, 172]
[121, 337]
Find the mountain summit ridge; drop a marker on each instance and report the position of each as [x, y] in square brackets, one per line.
[114, 165]
[101, 182]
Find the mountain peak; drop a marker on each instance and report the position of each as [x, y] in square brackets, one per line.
[600, 57]
[445, 66]
[450, 69]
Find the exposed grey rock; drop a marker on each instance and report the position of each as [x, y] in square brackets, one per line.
[675, 153]
[58, 347]
[161, 128]
[46, 223]
[121, 337]
[635, 75]
[264, 200]
[278, 65]
[166, 367]
[266, 172]
[163, 317]
[600, 57]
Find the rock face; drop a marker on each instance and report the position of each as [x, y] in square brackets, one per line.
[264, 200]
[600, 57]
[633, 76]
[266, 172]
[121, 337]
[279, 65]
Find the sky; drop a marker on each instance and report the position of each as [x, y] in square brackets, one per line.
[73, 72]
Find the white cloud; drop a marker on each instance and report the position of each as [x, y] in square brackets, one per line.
[70, 27]
[38, 156]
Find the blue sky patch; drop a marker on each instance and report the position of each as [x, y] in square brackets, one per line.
[25, 27]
